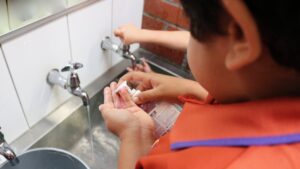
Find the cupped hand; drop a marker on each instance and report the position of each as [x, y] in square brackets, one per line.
[142, 67]
[122, 116]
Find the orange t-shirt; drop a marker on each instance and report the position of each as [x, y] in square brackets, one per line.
[263, 134]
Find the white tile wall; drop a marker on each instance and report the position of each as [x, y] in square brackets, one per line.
[124, 12]
[87, 28]
[30, 57]
[12, 119]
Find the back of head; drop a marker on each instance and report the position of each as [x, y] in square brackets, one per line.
[278, 22]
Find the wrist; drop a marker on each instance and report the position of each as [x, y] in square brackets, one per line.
[142, 138]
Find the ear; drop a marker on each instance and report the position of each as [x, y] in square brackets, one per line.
[246, 47]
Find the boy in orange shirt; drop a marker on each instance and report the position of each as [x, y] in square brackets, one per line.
[244, 53]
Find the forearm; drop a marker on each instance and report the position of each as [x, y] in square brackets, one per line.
[132, 148]
[172, 39]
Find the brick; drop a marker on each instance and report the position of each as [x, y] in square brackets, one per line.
[182, 20]
[174, 56]
[152, 23]
[162, 9]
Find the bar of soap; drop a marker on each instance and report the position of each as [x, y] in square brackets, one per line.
[132, 92]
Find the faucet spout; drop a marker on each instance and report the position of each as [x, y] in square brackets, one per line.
[123, 50]
[7, 152]
[83, 95]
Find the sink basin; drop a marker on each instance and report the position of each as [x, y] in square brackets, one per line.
[68, 127]
[47, 158]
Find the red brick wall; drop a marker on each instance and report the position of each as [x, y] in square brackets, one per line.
[164, 15]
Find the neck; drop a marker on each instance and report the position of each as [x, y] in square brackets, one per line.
[266, 79]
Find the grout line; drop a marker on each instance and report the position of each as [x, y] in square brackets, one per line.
[163, 21]
[111, 30]
[14, 85]
[8, 16]
[69, 39]
[173, 3]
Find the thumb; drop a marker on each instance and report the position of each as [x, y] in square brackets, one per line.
[146, 96]
[118, 33]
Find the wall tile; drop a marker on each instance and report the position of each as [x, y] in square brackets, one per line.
[124, 12]
[30, 57]
[12, 119]
[87, 28]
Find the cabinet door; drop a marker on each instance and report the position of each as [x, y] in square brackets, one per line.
[12, 119]
[87, 28]
[30, 57]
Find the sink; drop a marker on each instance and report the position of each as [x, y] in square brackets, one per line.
[51, 158]
[68, 126]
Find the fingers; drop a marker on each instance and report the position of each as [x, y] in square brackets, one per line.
[146, 96]
[108, 102]
[126, 98]
[115, 97]
[138, 67]
[146, 66]
[129, 69]
[143, 67]
[133, 77]
[107, 96]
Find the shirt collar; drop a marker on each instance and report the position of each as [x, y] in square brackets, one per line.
[262, 122]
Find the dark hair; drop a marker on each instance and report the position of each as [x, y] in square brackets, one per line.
[278, 22]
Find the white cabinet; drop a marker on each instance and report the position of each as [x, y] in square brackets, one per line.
[87, 28]
[30, 57]
[12, 119]
[124, 12]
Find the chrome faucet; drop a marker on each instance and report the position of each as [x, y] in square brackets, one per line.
[122, 49]
[71, 83]
[6, 151]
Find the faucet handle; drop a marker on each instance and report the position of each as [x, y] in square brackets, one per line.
[72, 66]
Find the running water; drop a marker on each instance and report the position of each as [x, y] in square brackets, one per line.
[90, 130]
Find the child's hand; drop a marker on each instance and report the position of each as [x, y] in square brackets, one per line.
[154, 86]
[128, 34]
[123, 117]
[143, 67]
[157, 87]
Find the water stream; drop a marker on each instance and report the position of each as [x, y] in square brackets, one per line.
[90, 132]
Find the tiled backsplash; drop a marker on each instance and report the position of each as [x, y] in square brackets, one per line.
[26, 97]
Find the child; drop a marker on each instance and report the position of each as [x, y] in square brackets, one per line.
[245, 55]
